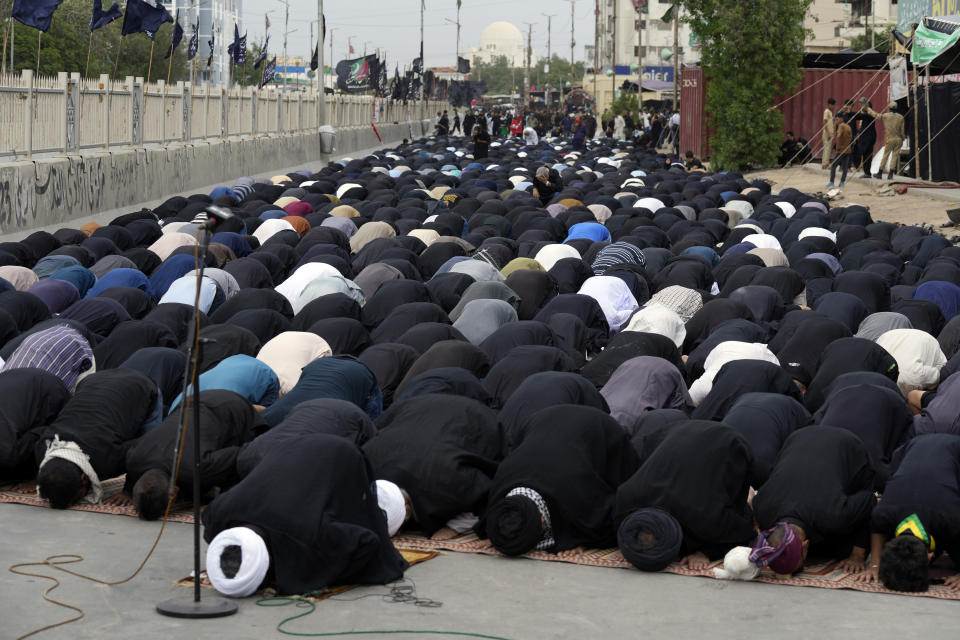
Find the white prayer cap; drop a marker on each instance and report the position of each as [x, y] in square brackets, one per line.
[391, 501]
[737, 566]
[759, 240]
[818, 231]
[254, 562]
[787, 208]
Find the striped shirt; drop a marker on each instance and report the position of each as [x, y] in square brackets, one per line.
[60, 350]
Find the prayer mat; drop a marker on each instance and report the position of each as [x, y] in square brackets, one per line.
[26, 493]
[823, 575]
[412, 556]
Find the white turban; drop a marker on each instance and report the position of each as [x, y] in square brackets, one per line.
[254, 562]
[737, 566]
[391, 501]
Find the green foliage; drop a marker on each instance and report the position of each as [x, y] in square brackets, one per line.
[64, 46]
[882, 41]
[501, 78]
[624, 102]
[751, 51]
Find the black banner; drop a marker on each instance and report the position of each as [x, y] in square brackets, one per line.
[358, 74]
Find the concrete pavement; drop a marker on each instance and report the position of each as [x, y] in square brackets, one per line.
[512, 598]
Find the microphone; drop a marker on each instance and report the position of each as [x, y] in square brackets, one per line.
[216, 215]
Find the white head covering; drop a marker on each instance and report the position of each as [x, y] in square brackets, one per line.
[426, 236]
[918, 355]
[722, 354]
[270, 228]
[614, 297]
[170, 242]
[737, 566]
[817, 231]
[652, 204]
[254, 562]
[762, 241]
[656, 318]
[390, 499]
[787, 208]
[292, 287]
[289, 352]
[71, 452]
[554, 253]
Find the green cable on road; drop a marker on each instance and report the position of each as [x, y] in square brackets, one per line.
[281, 601]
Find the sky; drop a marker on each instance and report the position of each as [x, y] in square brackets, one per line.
[394, 25]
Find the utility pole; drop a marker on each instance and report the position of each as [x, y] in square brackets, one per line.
[423, 66]
[526, 79]
[613, 42]
[458, 36]
[639, 63]
[546, 69]
[676, 52]
[563, 98]
[596, 54]
[286, 32]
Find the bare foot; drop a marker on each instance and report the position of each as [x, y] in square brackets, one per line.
[444, 534]
[119, 500]
[953, 582]
[695, 561]
[572, 554]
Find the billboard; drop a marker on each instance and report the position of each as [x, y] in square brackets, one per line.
[911, 11]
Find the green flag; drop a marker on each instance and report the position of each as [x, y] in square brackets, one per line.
[927, 44]
[668, 16]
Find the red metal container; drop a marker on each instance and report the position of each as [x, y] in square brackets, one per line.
[802, 111]
[694, 135]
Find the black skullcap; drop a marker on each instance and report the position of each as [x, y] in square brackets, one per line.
[650, 539]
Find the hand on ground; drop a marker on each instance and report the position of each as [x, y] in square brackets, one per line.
[851, 565]
[868, 575]
[571, 554]
[119, 500]
[444, 534]
[696, 561]
[953, 582]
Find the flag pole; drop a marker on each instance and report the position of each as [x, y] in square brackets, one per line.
[170, 66]
[150, 65]
[116, 62]
[86, 69]
[6, 33]
[39, 37]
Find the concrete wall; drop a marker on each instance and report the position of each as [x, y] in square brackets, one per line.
[57, 190]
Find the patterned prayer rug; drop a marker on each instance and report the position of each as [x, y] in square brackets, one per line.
[26, 493]
[824, 575]
[412, 556]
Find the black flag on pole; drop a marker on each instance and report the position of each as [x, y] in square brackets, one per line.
[315, 60]
[35, 13]
[210, 44]
[263, 54]
[269, 72]
[100, 18]
[358, 74]
[177, 37]
[142, 17]
[194, 42]
[463, 65]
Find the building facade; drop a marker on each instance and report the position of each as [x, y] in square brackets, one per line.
[216, 18]
[618, 25]
[834, 25]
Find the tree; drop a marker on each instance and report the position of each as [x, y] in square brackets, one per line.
[64, 46]
[881, 42]
[498, 76]
[749, 58]
[559, 72]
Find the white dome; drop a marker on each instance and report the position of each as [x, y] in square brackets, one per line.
[502, 36]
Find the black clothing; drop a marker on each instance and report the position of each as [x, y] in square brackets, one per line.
[442, 450]
[699, 474]
[313, 502]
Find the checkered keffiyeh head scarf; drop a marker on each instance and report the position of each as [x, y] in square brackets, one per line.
[547, 540]
[683, 301]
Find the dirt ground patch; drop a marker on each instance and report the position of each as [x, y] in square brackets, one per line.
[888, 207]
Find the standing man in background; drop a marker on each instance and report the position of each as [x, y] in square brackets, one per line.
[893, 134]
[828, 131]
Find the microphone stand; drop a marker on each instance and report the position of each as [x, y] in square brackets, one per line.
[214, 606]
